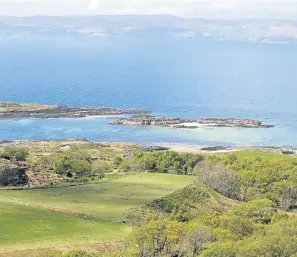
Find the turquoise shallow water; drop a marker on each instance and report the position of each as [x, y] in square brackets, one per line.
[98, 129]
[177, 77]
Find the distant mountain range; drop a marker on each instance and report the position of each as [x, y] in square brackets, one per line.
[273, 31]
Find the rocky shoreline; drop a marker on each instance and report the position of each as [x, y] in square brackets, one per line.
[15, 110]
[148, 120]
[139, 118]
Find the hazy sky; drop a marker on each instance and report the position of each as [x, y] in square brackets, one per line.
[187, 8]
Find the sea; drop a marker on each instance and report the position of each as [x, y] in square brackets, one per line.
[173, 77]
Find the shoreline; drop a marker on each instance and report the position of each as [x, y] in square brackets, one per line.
[9, 110]
[180, 148]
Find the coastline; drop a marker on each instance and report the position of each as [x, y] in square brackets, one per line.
[10, 110]
[139, 117]
[180, 148]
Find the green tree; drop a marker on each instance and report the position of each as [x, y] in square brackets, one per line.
[239, 226]
[226, 249]
[259, 211]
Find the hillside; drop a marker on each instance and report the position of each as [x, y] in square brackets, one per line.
[137, 201]
[78, 214]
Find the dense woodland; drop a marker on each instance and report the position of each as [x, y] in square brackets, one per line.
[237, 206]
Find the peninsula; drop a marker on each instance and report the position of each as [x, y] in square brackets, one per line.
[20, 110]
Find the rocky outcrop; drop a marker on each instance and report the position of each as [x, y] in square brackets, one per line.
[14, 110]
[214, 148]
[153, 148]
[147, 120]
[231, 122]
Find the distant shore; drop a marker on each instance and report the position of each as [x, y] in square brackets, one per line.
[181, 148]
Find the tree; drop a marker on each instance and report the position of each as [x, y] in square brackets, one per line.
[226, 249]
[160, 238]
[198, 236]
[218, 177]
[259, 211]
[287, 198]
[239, 226]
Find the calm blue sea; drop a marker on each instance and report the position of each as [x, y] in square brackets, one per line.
[186, 78]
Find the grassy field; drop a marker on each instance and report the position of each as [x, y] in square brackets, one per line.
[106, 200]
[29, 228]
[42, 217]
[264, 154]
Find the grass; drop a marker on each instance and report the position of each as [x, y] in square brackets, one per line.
[105, 201]
[266, 155]
[44, 217]
[11, 107]
[28, 228]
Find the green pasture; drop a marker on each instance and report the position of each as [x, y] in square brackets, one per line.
[29, 228]
[44, 217]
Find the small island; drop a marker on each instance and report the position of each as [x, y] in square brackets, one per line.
[148, 120]
[138, 118]
[20, 110]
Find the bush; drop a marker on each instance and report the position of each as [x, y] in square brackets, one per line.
[258, 211]
[47, 253]
[117, 160]
[84, 180]
[70, 167]
[164, 162]
[101, 170]
[15, 154]
[13, 177]
[220, 250]
[77, 253]
[239, 226]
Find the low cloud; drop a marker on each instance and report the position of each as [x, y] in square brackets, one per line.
[211, 9]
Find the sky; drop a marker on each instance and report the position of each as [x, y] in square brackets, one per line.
[209, 9]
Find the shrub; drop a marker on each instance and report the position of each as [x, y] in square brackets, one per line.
[72, 167]
[47, 253]
[117, 160]
[239, 226]
[84, 179]
[165, 162]
[13, 177]
[259, 211]
[15, 153]
[101, 170]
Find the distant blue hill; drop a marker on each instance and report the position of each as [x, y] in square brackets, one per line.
[148, 26]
